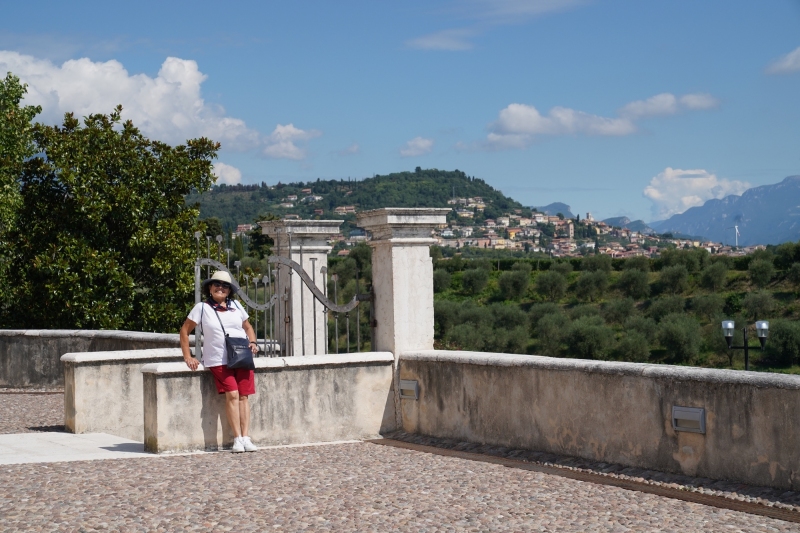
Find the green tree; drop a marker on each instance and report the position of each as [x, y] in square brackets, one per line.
[714, 275]
[537, 311]
[597, 262]
[550, 331]
[758, 305]
[16, 145]
[664, 306]
[794, 274]
[108, 240]
[637, 263]
[634, 283]
[260, 244]
[562, 268]
[708, 306]
[474, 280]
[513, 284]
[783, 347]
[761, 271]
[680, 335]
[550, 285]
[441, 280]
[591, 285]
[633, 347]
[674, 279]
[589, 338]
[618, 310]
[645, 326]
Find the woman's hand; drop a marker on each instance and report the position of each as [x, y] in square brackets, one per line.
[191, 362]
[254, 348]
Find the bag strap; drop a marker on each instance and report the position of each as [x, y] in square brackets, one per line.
[220, 323]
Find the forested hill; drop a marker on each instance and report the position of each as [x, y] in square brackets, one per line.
[240, 204]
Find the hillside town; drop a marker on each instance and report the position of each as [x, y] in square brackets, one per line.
[523, 230]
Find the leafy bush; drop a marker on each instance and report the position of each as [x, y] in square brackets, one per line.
[591, 285]
[664, 306]
[643, 325]
[441, 280]
[761, 272]
[758, 305]
[589, 338]
[674, 279]
[633, 347]
[593, 263]
[794, 273]
[445, 316]
[562, 268]
[640, 263]
[618, 310]
[783, 345]
[496, 328]
[537, 311]
[714, 276]
[513, 284]
[786, 254]
[474, 280]
[508, 316]
[550, 331]
[634, 283]
[708, 306]
[580, 311]
[680, 335]
[550, 285]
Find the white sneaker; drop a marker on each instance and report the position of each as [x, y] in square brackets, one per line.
[248, 445]
[238, 445]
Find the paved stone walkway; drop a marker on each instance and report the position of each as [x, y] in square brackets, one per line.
[343, 487]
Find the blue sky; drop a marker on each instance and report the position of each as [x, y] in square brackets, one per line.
[618, 107]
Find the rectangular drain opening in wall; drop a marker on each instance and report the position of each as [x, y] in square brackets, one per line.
[409, 389]
[692, 419]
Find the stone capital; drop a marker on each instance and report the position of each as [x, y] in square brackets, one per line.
[403, 225]
[312, 234]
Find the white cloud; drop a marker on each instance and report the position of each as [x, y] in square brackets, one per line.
[227, 174]
[518, 125]
[168, 107]
[786, 64]
[674, 190]
[417, 146]
[454, 40]
[281, 143]
[353, 149]
[488, 14]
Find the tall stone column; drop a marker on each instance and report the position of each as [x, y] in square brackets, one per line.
[402, 280]
[306, 243]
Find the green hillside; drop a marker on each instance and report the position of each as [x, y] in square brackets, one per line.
[240, 204]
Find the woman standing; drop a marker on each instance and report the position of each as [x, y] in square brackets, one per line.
[236, 383]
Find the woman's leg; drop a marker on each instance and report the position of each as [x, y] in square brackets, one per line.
[233, 409]
[244, 415]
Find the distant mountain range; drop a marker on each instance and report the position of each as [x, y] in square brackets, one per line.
[769, 214]
[554, 209]
[625, 222]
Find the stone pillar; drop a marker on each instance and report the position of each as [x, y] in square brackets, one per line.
[306, 243]
[402, 279]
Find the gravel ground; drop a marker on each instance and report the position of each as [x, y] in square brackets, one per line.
[31, 411]
[345, 487]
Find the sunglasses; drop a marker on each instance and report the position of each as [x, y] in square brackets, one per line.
[221, 284]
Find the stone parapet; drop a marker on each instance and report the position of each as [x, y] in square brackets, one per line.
[298, 400]
[611, 412]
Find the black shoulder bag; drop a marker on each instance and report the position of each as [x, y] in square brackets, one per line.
[239, 354]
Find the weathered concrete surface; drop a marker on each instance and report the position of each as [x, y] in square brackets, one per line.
[32, 358]
[103, 390]
[298, 400]
[611, 412]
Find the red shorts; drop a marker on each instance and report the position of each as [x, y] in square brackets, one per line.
[234, 379]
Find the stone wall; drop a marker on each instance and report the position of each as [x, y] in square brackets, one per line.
[32, 358]
[298, 400]
[103, 390]
[611, 412]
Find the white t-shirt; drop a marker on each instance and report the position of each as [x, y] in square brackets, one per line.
[214, 353]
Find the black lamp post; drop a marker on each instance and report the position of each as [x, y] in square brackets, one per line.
[762, 329]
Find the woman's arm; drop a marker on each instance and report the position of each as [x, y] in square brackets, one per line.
[248, 329]
[187, 327]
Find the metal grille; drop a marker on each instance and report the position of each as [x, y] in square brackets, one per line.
[267, 301]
